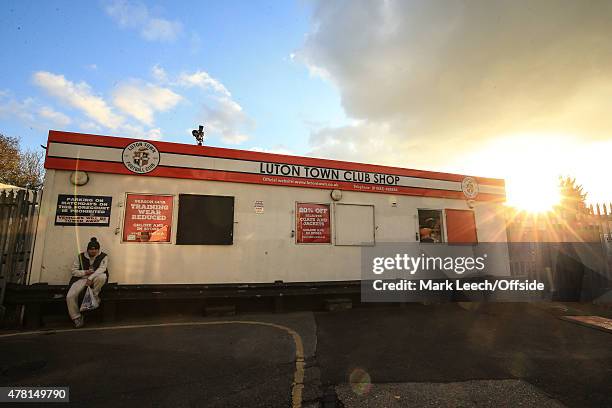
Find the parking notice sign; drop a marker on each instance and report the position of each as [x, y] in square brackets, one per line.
[313, 223]
[148, 218]
[84, 210]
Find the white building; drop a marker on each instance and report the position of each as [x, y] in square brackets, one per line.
[173, 213]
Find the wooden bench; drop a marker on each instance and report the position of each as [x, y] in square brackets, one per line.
[34, 297]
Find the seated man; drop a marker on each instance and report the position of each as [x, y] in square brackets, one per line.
[89, 269]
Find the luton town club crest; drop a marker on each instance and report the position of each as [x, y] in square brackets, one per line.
[469, 186]
[141, 157]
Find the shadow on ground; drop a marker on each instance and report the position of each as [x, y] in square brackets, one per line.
[447, 343]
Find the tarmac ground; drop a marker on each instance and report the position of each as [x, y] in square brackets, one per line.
[451, 355]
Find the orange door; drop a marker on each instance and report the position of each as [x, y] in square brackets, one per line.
[461, 227]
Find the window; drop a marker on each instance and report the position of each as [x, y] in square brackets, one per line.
[354, 224]
[430, 226]
[461, 227]
[205, 220]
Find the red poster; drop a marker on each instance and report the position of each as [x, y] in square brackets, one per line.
[148, 218]
[313, 223]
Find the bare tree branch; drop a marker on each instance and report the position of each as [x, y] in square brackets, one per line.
[21, 168]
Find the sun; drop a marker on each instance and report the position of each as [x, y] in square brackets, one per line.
[525, 193]
[531, 164]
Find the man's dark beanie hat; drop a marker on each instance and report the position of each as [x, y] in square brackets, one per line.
[93, 243]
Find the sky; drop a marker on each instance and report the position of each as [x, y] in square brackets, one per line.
[518, 90]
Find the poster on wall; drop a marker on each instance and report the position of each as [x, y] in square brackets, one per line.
[148, 218]
[85, 210]
[258, 206]
[313, 223]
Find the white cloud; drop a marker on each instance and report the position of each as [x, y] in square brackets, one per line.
[226, 118]
[31, 113]
[139, 132]
[313, 69]
[158, 29]
[141, 101]
[159, 74]
[197, 79]
[466, 70]
[234, 138]
[154, 134]
[363, 142]
[202, 80]
[23, 111]
[278, 149]
[221, 114]
[90, 126]
[54, 116]
[125, 130]
[136, 15]
[79, 96]
[135, 98]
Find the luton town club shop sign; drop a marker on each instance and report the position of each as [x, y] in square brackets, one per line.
[162, 159]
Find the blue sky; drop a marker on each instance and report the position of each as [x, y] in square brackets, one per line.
[115, 47]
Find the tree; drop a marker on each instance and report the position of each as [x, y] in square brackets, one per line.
[572, 202]
[22, 168]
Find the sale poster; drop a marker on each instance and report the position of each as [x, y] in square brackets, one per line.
[313, 223]
[148, 218]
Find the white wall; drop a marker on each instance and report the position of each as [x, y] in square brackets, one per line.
[263, 250]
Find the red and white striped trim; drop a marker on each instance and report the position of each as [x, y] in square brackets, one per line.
[103, 154]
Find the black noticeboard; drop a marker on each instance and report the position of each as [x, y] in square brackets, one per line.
[85, 210]
[205, 220]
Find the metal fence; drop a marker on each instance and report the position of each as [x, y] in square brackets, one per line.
[535, 246]
[18, 220]
[600, 217]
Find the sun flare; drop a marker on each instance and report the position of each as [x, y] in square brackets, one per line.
[534, 196]
[531, 164]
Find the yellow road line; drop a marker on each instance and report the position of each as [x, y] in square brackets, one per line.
[298, 377]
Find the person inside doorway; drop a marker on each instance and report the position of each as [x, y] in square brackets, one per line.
[425, 235]
[430, 229]
[88, 270]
